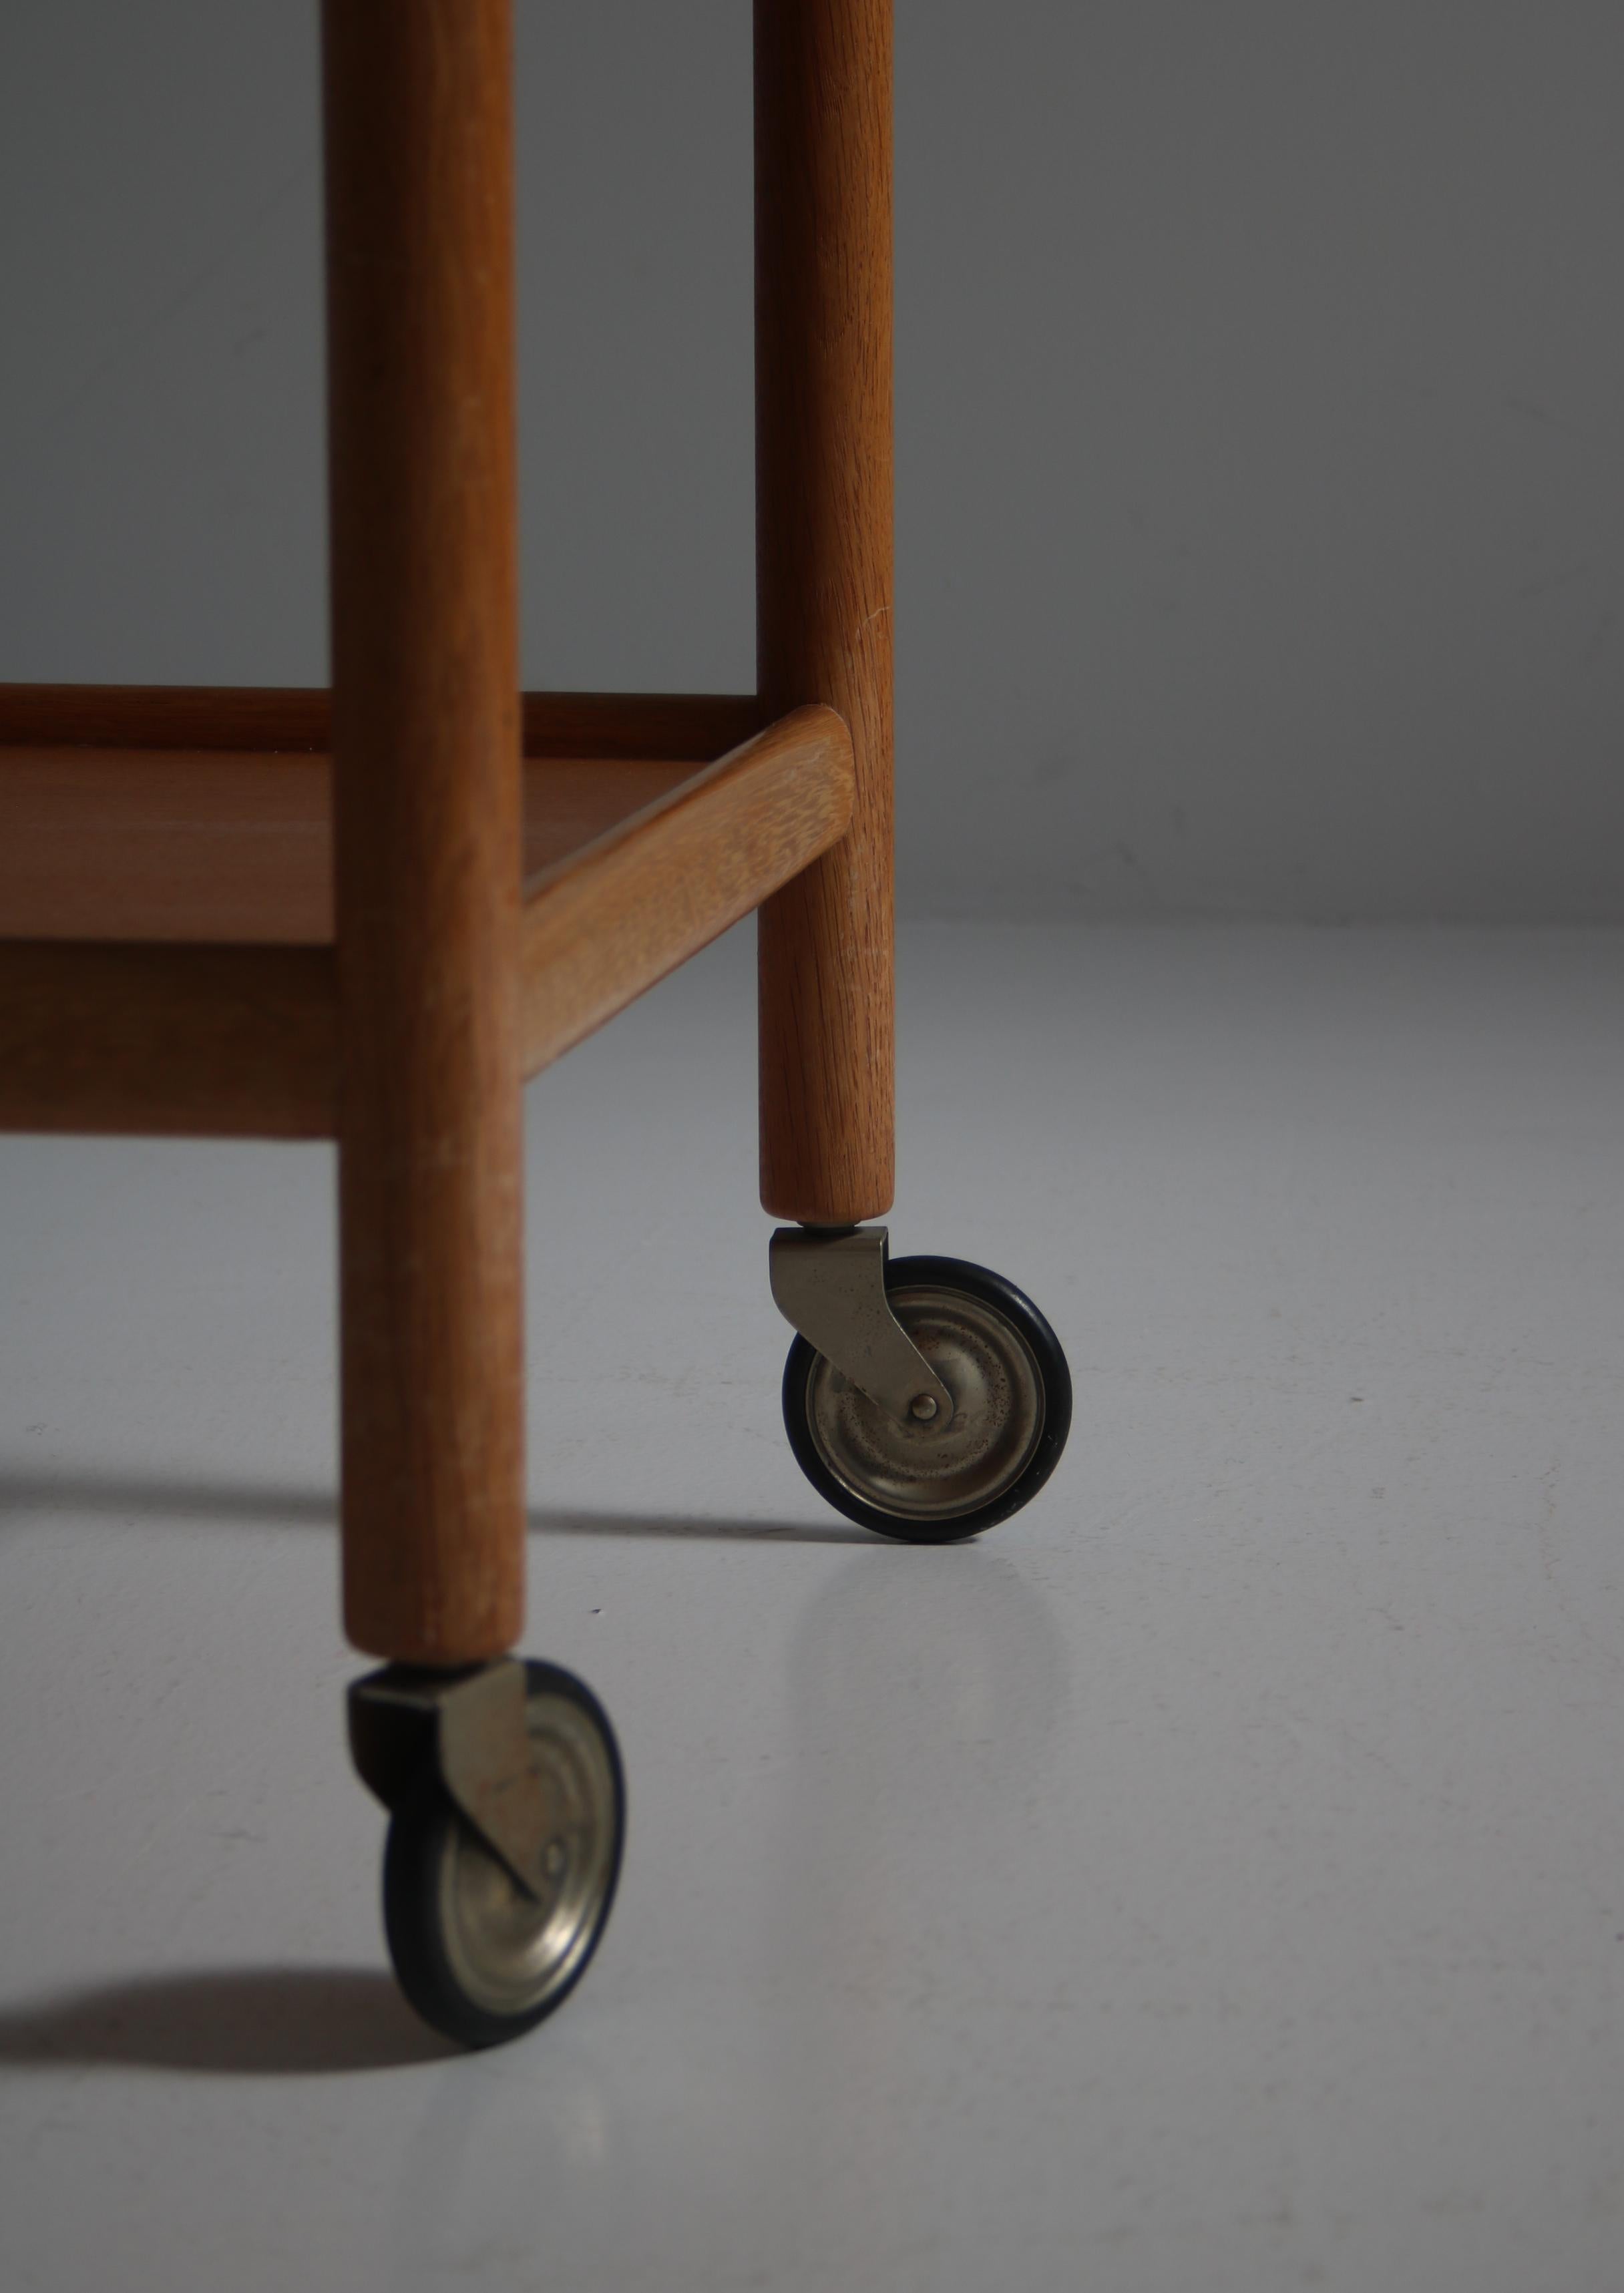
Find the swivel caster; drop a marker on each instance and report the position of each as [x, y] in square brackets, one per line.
[923, 1397]
[508, 1810]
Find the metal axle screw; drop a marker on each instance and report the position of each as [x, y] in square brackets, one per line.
[923, 1407]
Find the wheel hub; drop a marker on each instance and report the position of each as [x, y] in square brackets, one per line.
[934, 1467]
[507, 1949]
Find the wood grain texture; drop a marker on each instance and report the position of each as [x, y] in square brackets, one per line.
[200, 845]
[686, 727]
[220, 1043]
[602, 928]
[165, 717]
[824, 494]
[426, 816]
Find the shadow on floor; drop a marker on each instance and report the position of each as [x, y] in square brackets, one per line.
[128, 1497]
[566, 1521]
[256, 2021]
[135, 1497]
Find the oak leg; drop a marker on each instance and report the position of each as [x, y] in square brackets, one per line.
[824, 587]
[426, 737]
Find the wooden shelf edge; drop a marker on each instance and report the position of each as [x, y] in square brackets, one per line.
[682, 727]
[603, 926]
[141, 1039]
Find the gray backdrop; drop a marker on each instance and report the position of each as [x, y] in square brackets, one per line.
[1260, 496]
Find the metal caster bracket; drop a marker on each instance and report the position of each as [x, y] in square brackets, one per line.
[831, 1286]
[469, 1728]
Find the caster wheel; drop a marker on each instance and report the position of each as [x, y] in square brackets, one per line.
[479, 1958]
[932, 1484]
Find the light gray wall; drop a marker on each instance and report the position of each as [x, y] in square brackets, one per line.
[1261, 457]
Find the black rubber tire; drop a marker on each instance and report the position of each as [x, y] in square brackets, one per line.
[1016, 1308]
[419, 1834]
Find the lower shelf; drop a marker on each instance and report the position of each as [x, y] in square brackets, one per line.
[165, 915]
[196, 844]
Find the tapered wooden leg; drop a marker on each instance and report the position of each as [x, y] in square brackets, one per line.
[425, 738]
[823, 586]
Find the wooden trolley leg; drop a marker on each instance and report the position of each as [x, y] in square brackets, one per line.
[426, 822]
[824, 587]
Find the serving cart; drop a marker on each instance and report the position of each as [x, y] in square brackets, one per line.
[372, 915]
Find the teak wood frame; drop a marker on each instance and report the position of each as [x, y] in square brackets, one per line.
[402, 1009]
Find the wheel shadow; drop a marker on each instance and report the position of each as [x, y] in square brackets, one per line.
[247, 2022]
[183, 1501]
[568, 1521]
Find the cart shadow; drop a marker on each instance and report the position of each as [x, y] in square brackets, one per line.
[249, 2022]
[130, 1497]
[569, 1521]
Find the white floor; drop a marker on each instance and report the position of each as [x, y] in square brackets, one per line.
[1212, 1882]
